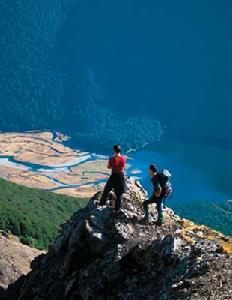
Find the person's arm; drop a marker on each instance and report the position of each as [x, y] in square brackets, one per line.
[124, 162]
[158, 190]
[109, 165]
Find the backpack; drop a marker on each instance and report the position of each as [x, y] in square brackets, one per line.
[166, 185]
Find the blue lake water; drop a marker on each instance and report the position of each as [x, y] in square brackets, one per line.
[199, 172]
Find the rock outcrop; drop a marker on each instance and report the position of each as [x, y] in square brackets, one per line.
[100, 255]
[15, 259]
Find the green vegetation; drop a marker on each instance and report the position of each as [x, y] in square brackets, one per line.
[49, 93]
[34, 215]
[217, 215]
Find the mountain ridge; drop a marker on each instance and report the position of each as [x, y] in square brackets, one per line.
[102, 256]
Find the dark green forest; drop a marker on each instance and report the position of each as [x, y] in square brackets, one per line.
[107, 72]
[34, 215]
[36, 94]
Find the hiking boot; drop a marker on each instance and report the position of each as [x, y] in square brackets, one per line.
[160, 220]
[117, 213]
[147, 216]
[145, 221]
[159, 223]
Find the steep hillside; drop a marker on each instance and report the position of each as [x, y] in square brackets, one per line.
[34, 215]
[47, 49]
[35, 93]
[100, 255]
[15, 259]
[217, 215]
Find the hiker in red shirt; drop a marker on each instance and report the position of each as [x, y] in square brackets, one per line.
[117, 179]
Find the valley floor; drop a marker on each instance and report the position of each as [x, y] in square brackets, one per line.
[41, 160]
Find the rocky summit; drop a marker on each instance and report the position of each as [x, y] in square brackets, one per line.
[102, 255]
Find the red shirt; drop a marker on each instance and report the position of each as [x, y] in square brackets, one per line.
[117, 164]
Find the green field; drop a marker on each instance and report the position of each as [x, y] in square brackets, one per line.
[34, 215]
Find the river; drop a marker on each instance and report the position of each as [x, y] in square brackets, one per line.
[200, 172]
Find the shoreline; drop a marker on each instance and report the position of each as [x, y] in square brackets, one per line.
[28, 158]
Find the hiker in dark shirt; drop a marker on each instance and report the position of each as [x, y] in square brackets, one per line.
[157, 197]
[117, 179]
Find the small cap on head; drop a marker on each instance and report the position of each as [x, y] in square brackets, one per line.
[153, 168]
[117, 148]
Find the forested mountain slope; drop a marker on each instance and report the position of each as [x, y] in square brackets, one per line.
[36, 94]
[34, 215]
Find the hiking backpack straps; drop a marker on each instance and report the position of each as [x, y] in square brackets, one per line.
[164, 180]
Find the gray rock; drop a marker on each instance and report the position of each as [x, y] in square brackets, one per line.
[100, 255]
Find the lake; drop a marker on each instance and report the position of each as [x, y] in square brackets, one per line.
[200, 172]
